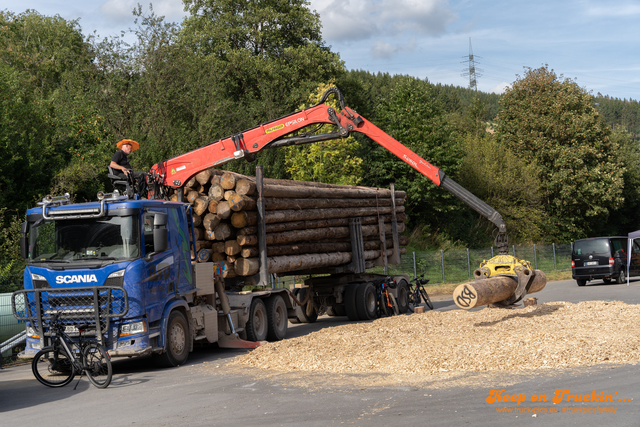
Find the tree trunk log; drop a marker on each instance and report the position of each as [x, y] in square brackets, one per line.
[229, 194]
[222, 231]
[213, 206]
[231, 247]
[203, 177]
[210, 221]
[216, 192]
[272, 204]
[224, 210]
[328, 193]
[245, 187]
[204, 255]
[200, 205]
[239, 202]
[228, 181]
[248, 218]
[492, 290]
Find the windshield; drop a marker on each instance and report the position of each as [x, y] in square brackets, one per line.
[586, 247]
[112, 237]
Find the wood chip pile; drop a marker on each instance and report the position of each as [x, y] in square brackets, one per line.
[549, 336]
[301, 218]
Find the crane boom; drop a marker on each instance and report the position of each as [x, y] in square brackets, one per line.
[177, 171]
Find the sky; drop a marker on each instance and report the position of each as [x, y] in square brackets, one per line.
[595, 43]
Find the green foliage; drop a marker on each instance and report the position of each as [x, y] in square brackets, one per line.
[333, 162]
[554, 123]
[10, 260]
[625, 218]
[508, 183]
[412, 116]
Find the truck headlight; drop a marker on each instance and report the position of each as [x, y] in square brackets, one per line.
[32, 333]
[133, 328]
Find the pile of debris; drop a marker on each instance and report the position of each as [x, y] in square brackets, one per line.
[549, 336]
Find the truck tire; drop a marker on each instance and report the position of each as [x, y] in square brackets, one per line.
[301, 310]
[277, 321]
[366, 302]
[256, 326]
[177, 342]
[350, 301]
[336, 310]
[402, 290]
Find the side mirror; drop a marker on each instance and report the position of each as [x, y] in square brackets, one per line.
[160, 233]
[24, 241]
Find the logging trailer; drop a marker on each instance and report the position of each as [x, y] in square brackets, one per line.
[125, 264]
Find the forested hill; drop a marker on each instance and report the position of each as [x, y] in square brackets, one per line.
[617, 113]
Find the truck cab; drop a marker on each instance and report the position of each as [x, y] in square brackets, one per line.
[141, 246]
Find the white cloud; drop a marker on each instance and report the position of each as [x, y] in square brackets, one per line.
[500, 88]
[614, 10]
[384, 50]
[353, 20]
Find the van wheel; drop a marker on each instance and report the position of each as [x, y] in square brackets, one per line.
[622, 277]
[581, 282]
[606, 280]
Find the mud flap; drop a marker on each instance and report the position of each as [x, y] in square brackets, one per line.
[234, 341]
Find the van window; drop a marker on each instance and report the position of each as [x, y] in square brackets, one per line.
[596, 246]
[619, 245]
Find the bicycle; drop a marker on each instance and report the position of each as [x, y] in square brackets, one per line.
[386, 302]
[417, 293]
[58, 364]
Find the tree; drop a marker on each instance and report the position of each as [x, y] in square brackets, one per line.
[412, 116]
[263, 59]
[554, 123]
[333, 162]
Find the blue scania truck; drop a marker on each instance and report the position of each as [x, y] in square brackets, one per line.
[126, 266]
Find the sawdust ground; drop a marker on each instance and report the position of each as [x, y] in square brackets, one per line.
[454, 348]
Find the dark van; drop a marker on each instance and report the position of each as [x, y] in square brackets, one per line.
[603, 258]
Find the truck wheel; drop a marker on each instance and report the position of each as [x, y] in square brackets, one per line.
[338, 310]
[277, 321]
[177, 342]
[301, 310]
[256, 326]
[366, 302]
[403, 296]
[350, 301]
[581, 282]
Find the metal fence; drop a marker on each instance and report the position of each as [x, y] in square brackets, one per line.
[458, 266]
[10, 327]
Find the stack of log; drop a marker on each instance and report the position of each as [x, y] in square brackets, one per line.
[307, 223]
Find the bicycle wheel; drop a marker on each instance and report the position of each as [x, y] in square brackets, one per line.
[426, 298]
[53, 368]
[98, 367]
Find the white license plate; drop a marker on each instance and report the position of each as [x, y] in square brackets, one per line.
[591, 263]
[70, 329]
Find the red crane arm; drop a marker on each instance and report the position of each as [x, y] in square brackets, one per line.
[177, 171]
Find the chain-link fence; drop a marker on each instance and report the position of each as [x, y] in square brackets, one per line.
[10, 327]
[458, 266]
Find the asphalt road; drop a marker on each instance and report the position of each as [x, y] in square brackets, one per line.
[203, 393]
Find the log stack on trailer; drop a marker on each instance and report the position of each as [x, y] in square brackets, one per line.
[307, 224]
